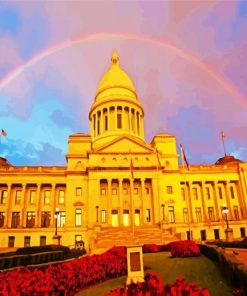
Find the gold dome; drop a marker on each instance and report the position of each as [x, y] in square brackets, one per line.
[115, 77]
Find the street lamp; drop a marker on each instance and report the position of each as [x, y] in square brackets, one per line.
[97, 214]
[56, 216]
[163, 211]
[225, 211]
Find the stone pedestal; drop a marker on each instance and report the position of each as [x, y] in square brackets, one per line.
[135, 264]
[56, 239]
[229, 234]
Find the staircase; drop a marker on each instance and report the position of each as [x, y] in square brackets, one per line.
[123, 236]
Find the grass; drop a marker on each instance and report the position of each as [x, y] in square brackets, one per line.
[198, 269]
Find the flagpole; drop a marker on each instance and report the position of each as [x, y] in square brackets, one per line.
[223, 141]
[131, 197]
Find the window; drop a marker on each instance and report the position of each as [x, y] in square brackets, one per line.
[242, 231]
[232, 192]
[171, 216]
[32, 197]
[3, 196]
[103, 191]
[61, 219]
[47, 195]
[125, 191]
[183, 193]
[119, 120]
[114, 191]
[203, 235]
[198, 215]
[103, 216]
[185, 215]
[211, 214]
[220, 192]
[61, 197]
[15, 222]
[106, 123]
[27, 240]
[207, 190]
[30, 219]
[45, 219]
[147, 190]
[11, 243]
[78, 216]
[216, 234]
[18, 197]
[236, 213]
[135, 190]
[169, 189]
[2, 216]
[42, 240]
[194, 192]
[78, 191]
[189, 234]
[98, 127]
[148, 215]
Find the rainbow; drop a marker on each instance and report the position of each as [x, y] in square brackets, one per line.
[161, 43]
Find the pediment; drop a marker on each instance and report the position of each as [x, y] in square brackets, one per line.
[125, 144]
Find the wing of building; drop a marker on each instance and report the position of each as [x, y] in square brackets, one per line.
[117, 188]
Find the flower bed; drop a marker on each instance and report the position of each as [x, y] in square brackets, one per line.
[66, 277]
[153, 286]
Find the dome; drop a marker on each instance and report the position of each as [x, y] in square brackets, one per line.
[115, 77]
[228, 159]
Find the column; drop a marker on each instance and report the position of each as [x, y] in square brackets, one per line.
[227, 190]
[189, 202]
[123, 119]
[244, 190]
[23, 206]
[7, 222]
[53, 201]
[135, 115]
[120, 182]
[217, 216]
[130, 125]
[142, 201]
[108, 119]
[109, 200]
[102, 126]
[240, 199]
[204, 214]
[132, 215]
[115, 116]
[39, 203]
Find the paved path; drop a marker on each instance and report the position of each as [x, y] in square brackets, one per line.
[241, 256]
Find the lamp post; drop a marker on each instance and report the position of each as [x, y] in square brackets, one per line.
[56, 216]
[163, 211]
[97, 214]
[225, 211]
[228, 230]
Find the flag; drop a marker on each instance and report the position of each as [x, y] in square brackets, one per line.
[222, 135]
[3, 133]
[131, 168]
[184, 159]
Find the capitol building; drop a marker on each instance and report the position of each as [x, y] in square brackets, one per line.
[117, 189]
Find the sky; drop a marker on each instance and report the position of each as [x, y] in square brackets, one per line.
[187, 60]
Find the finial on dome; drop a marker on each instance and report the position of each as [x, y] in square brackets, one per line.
[114, 58]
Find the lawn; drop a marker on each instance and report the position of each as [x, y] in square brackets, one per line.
[199, 269]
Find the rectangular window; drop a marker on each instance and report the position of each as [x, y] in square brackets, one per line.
[125, 191]
[42, 240]
[32, 197]
[30, 219]
[11, 243]
[61, 197]
[15, 222]
[18, 197]
[119, 120]
[27, 240]
[103, 191]
[171, 215]
[106, 123]
[198, 215]
[78, 217]
[195, 194]
[47, 195]
[103, 216]
[185, 215]
[61, 219]
[135, 190]
[232, 192]
[189, 235]
[183, 193]
[236, 213]
[169, 189]
[148, 215]
[78, 191]
[220, 192]
[207, 191]
[114, 191]
[211, 214]
[216, 234]
[147, 190]
[45, 219]
[2, 216]
[3, 197]
[203, 235]
[242, 231]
